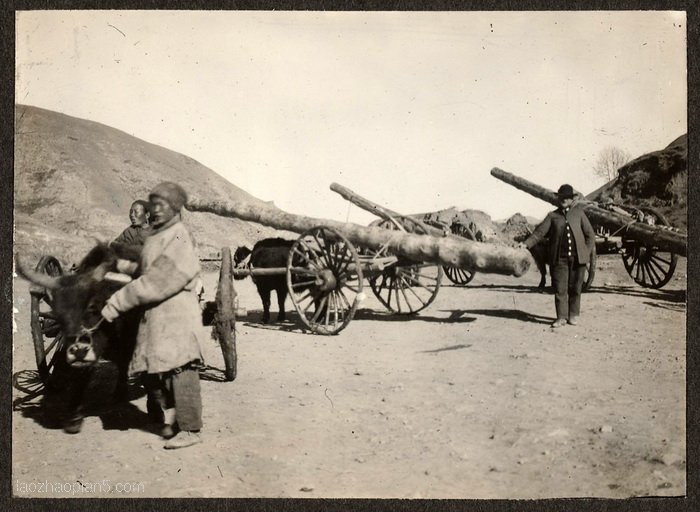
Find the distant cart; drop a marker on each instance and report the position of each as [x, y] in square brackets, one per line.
[649, 246]
[427, 226]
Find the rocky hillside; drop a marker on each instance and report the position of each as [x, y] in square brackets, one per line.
[75, 180]
[658, 179]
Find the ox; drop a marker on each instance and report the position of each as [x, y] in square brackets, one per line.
[540, 254]
[77, 300]
[267, 253]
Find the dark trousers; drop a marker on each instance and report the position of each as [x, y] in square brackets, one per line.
[567, 280]
[180, 389]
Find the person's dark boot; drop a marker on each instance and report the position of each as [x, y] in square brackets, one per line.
[155, 410]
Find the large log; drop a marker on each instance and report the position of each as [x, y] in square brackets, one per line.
[380, 211]
[456, 252]
[656, 236]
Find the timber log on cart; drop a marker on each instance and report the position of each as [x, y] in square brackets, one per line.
[392, 220]
[402, 260]
[649, 246]
[49, 339]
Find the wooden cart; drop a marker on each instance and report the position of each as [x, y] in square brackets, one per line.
[649, 246]
[400, 258]
[392, 220]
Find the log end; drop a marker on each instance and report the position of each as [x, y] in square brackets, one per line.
[523, 261]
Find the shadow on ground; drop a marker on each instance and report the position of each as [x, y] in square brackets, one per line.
[511, 314]
[676, 296]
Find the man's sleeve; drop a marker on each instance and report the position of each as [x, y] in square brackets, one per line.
[169, 274]
[588, 232]
[540, 232]
[124, 238]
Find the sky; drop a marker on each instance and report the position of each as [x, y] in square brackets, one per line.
[409, 109]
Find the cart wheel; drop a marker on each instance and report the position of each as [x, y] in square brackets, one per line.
[457, 275]
[225, 323]
[324, 279]
[406, 287]
[590, 271]
[47, 334]
[649, 266]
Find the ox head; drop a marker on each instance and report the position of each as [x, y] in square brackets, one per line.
[240, 255]
[77, 300]
[240, 260]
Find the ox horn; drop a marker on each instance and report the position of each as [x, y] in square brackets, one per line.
[99, 273]
[38, 278]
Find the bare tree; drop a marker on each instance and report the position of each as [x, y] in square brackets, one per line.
[610, 159]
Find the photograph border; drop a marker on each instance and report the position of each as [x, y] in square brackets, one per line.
[7, 502]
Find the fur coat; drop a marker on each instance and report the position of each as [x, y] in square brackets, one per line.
[170, 332]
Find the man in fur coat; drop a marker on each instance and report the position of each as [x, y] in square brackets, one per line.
[168, 345]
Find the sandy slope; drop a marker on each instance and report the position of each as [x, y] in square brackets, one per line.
[475, 398]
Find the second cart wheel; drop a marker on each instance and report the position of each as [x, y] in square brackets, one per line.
[47, 334]
[225, 323]
[454, 274]
[649, 266]
[324, 279]
[406, 287]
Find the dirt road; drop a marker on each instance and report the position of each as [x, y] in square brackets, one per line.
[475, 398]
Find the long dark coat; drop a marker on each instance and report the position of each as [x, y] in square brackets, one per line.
[553, 227]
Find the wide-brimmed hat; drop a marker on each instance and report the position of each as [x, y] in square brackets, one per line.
[566, 191]
[172, 193]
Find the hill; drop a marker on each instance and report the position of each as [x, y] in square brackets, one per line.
[75, 180]
[658, 179]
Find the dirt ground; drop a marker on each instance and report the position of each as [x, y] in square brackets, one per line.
[474, 398]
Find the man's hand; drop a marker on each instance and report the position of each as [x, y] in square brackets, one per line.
[127, 266]
[109, 313]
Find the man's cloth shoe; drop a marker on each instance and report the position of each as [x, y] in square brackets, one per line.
[558, 323]
[183, 439]
[573, 320]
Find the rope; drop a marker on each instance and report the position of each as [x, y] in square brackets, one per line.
[625, 227]
[92, 329]
[391, 240]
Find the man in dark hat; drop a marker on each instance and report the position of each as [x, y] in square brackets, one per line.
[168, 349]
[571, 241]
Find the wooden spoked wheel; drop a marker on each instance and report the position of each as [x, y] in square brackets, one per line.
[47, 333]
[225, 322]
[457, 275]
[590, 271]
[406, 287]
[649, 266]
[324, 279]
